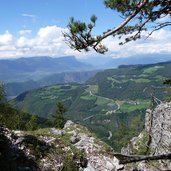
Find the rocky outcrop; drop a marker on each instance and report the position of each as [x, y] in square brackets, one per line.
[41, 150]
[158, 125]
[99, 155]
[154, 140]
[73, 148]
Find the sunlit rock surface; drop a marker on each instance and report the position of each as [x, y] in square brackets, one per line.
[154, 140]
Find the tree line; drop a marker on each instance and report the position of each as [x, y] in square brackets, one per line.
[15, 119]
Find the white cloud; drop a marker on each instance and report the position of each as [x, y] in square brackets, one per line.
[165, 18]
[6, 38]
[49, 41]
[24, 32]
[158, 42]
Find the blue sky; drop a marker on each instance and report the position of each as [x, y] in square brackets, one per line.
[34, 27]
[33, 14]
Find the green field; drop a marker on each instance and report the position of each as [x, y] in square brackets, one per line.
[152, 69]
[130, 106]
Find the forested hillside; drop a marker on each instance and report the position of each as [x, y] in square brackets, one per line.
[111, 104]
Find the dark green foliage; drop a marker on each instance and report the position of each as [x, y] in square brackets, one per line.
[59, 120]
[32, 124]
[80, 36]
[125, 131]
[2, 93]
[69, 165]
[168, 82]
[15, 119]
[8, 115]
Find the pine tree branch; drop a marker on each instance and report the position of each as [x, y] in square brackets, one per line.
[138, 9]
[125, 159]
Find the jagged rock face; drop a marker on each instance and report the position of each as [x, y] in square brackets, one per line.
[158, 124]
[98, 154]
[98, 158]
[154, 140]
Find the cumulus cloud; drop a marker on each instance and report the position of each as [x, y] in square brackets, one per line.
[158, 42]
[49, 41]
[6, 39]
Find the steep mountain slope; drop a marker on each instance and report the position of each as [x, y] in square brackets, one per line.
[112, 104]
[140, 80]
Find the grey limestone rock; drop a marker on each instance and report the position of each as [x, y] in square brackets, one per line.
[75, 138]
[157, 136]
[158, 124]
[58, 131]
[68, 124]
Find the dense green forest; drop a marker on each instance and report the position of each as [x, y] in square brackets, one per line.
[16, 119]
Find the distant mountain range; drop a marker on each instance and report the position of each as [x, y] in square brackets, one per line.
[24, 69]
[15, 88]
[139, 59]
[25, 74]
[104, 62]
[35, 68]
